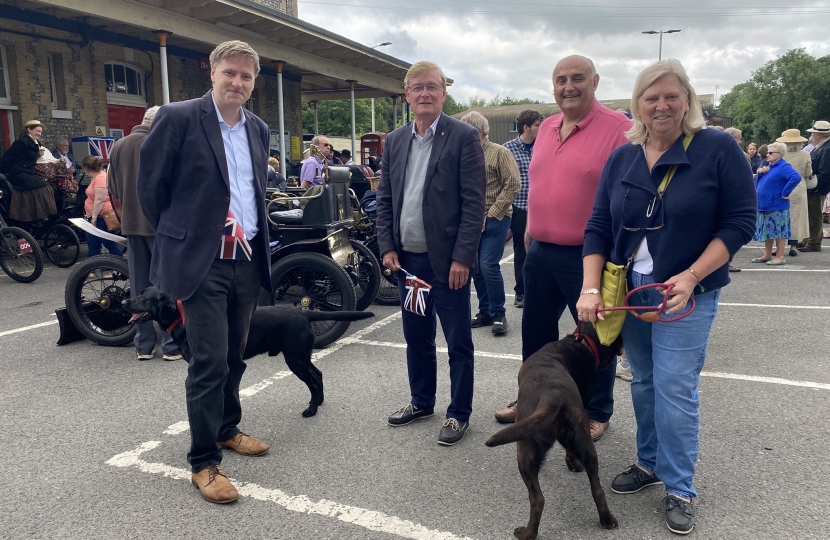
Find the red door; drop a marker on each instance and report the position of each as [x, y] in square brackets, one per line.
[6, 138]
[124, 117]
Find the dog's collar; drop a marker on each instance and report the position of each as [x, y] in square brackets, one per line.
[179, 319]
[588, 342]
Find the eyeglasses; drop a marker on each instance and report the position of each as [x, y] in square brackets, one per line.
[419, 88]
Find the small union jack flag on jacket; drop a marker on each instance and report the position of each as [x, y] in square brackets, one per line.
[234, 243]
[416, 295]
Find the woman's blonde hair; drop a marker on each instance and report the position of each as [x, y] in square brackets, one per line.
[778, 147]
[693, 119]
[274, 162]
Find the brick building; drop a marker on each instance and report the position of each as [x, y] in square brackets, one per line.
[77, 65]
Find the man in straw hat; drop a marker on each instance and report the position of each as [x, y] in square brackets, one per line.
[800, 161]
[820, 157]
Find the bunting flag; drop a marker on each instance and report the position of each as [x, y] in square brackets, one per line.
[416, 294]
[233, 238]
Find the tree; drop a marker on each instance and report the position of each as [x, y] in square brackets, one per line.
[451, 106]
[334, 117]
[791, 91]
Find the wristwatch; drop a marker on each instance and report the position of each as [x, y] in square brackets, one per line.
[589, 291]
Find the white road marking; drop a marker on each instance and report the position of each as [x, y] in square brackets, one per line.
[734, 304]
[336, 346]
[25, 328]
[779, 269]
[508, 259]
[178, 427]
[771, 380]
[736, 376]
[368, 519]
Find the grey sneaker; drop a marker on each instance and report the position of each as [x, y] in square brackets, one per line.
[680, 515]
[452, 432]
[143, 357]
[519, 301]
[624, 369]
[175, 354]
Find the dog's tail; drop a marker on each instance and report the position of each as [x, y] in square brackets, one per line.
[524, 429]
[315, 315]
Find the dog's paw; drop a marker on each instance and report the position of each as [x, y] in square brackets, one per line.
[609, 521]
[523, 534]
[311, 411]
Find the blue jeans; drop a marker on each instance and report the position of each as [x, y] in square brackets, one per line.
[94, 243]
[666, 360]
[489, 281]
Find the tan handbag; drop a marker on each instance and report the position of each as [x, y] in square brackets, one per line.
[112, 221]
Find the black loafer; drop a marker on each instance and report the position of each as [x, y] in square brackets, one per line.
[680, 515]
[481, 319]
[452, 431]
[633, 480]
[407, 415]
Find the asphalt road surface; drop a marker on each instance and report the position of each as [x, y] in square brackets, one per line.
[93, 442]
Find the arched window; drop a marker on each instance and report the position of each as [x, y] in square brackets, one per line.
[125, 84]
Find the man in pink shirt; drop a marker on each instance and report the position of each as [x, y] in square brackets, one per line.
[569, 155]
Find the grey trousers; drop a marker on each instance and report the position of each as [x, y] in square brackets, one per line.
[140, 250]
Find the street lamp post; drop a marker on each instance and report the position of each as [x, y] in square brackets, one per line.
[384, 44]
[661, 32]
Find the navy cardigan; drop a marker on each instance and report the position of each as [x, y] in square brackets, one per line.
[712, 195]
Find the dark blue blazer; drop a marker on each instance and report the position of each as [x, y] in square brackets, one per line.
[454, 190]
[184, 192]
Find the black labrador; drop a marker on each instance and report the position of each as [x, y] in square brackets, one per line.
[555, 386]
[273, 330]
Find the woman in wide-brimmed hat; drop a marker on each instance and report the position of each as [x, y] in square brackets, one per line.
[800, 161]
[32, 198]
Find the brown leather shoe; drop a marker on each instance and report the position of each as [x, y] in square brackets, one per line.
[214, 486]
[246, 445]
[597, 429]
[507, 415]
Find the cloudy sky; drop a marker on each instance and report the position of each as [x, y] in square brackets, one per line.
[510, 47]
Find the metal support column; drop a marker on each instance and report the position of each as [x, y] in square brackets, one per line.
[280, 104]
[165, 83]
[316, 127]
[354, 135]
[394, 113]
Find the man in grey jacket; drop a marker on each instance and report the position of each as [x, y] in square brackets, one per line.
[122, 179]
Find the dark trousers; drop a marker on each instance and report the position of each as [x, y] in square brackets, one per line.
[218, 317]
[814, 202]
[94, 243]
[141, 252]
[553, 279]
[518, 226]
[453, 308]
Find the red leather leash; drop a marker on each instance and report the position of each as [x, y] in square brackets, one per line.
[652, 316]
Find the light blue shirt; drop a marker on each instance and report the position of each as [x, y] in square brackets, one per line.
[240, 173]
[430, 130]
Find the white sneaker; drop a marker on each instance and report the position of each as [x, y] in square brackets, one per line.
[624, 371]
[145, 356]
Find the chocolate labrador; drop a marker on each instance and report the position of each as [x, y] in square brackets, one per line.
[273, 330]
[555, 386]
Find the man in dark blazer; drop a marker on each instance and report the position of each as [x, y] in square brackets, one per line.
[430, 215]
[202, 177]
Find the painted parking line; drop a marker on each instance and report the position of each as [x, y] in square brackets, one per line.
[736, 376]
[735, 304]
[361, 517]
[25, 328]
[507, 260]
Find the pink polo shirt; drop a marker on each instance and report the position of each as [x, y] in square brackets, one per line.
[564, 175]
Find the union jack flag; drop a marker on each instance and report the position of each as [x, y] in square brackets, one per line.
[232, 238]
[416, 294]
[100, 147]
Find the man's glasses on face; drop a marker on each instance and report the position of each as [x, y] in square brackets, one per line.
[430, 88]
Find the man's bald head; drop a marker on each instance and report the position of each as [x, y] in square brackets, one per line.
[575, 81]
